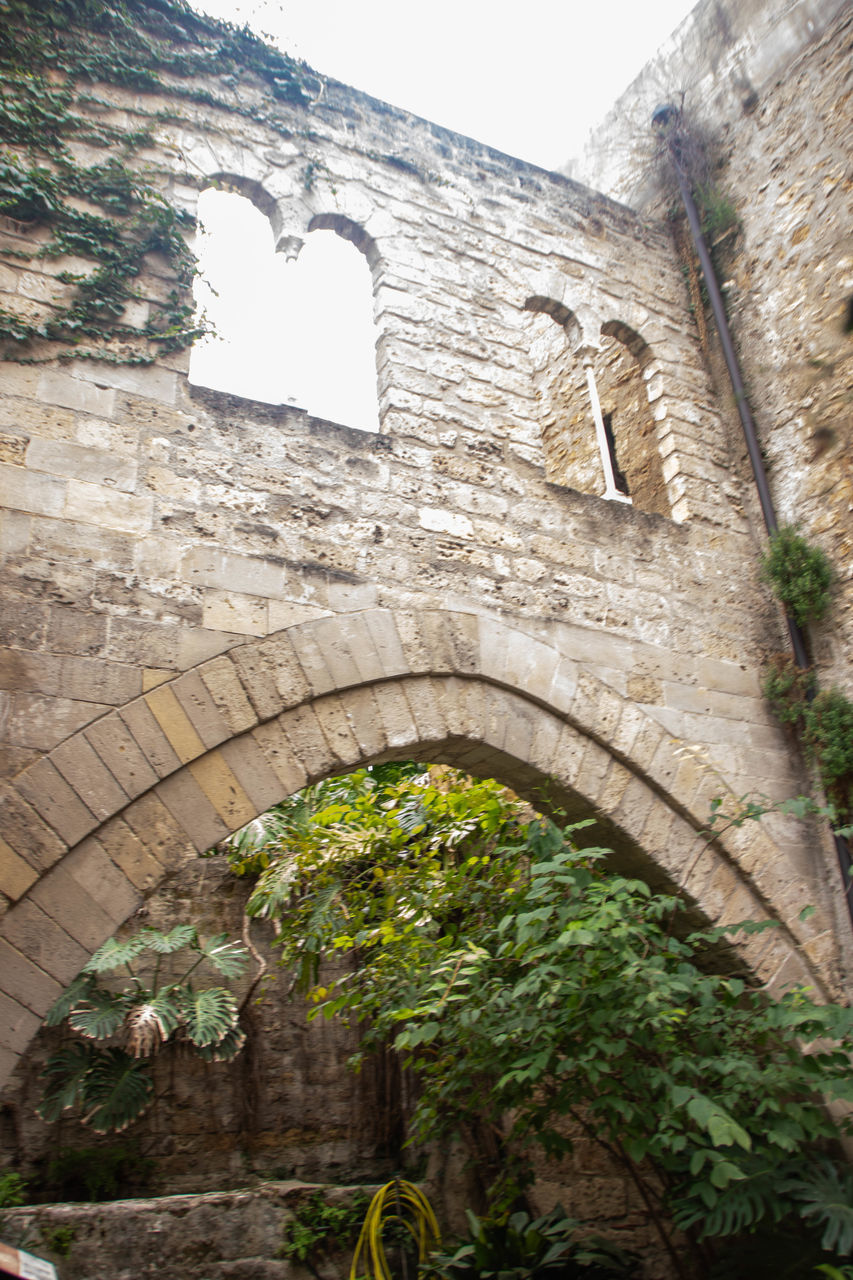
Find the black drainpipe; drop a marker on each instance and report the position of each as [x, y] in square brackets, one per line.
[666, 117]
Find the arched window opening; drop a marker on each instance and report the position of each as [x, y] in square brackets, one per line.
[598, 433]
[569, 439]
[618, 368]
[295, 330]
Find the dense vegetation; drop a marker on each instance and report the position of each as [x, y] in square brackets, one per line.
[541, 1000]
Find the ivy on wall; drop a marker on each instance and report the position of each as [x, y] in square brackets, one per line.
[101, 222]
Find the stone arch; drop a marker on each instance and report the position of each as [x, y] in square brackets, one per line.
[95, 824]
[349, 230]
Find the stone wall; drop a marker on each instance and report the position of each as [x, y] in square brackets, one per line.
[770, 87]
[212, 601]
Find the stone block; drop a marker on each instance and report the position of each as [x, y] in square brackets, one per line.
[150, 381]
[29, 930]
[395, 716]
[122, 754]
[253, 772]
[104, 883]
[27, 833]
[25, 981]
[244, 575]
[420, 693]
[224, 686]
[155, 826]
[280, 755]
[16, 874]
[83, 769]
[18, 1024]
[193, 811]
[62, 898]
[271, 674]
[349, 649]
[201, 710]
[236, 612]
[22, 490]
[326, 661]
[367, 728]
[50, 795]
[174, 723]
[76, 462]
[134, 859]
[308, 742]
[56, 387]
[218, 782]
[337, 730]
[99, 505]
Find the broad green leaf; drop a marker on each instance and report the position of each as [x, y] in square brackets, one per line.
[209, 1015]
[66, 1070]
[101, 1014]
[116, 1090]
[72, 995]
[226, 1048]
[230, 958]
[183, 935]
[115, 954]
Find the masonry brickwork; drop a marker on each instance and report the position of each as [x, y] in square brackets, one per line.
[770, 86]
[211, 601]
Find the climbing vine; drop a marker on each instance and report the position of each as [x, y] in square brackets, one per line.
[103, 221]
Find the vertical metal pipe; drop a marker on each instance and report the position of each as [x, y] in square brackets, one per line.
[666, 116]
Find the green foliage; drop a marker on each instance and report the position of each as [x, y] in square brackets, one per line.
[788, 689]
[13, 1190]
[516, 1248]
[800, 574]
[318, 1228]
[113, 215]
[824, 723]
[825, 1194]
[59, 1240]
[110, 1084]
[107, 1172]
[535, 994]
[718, 213]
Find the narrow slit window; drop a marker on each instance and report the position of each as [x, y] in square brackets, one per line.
[618, 476]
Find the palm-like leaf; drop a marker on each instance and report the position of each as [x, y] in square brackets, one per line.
[73, 994]
[209, 1015]
[226, 1048]
[66, 1072]
[183, 935]
[117, 1090]
[100, 1014]
[115, 953]
[826, 1194]
[230, 958]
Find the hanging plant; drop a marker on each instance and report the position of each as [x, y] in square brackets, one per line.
[112, 215]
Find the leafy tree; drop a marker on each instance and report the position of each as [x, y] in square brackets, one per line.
[534, 992]
[123, 1022]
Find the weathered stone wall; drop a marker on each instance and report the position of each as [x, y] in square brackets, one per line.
[212, 601]
[771, 87]
[234, 1234]
[286, 1107]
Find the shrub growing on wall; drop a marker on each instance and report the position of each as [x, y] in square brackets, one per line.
[800, 575]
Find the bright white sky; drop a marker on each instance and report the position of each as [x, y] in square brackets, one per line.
[529, 78]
